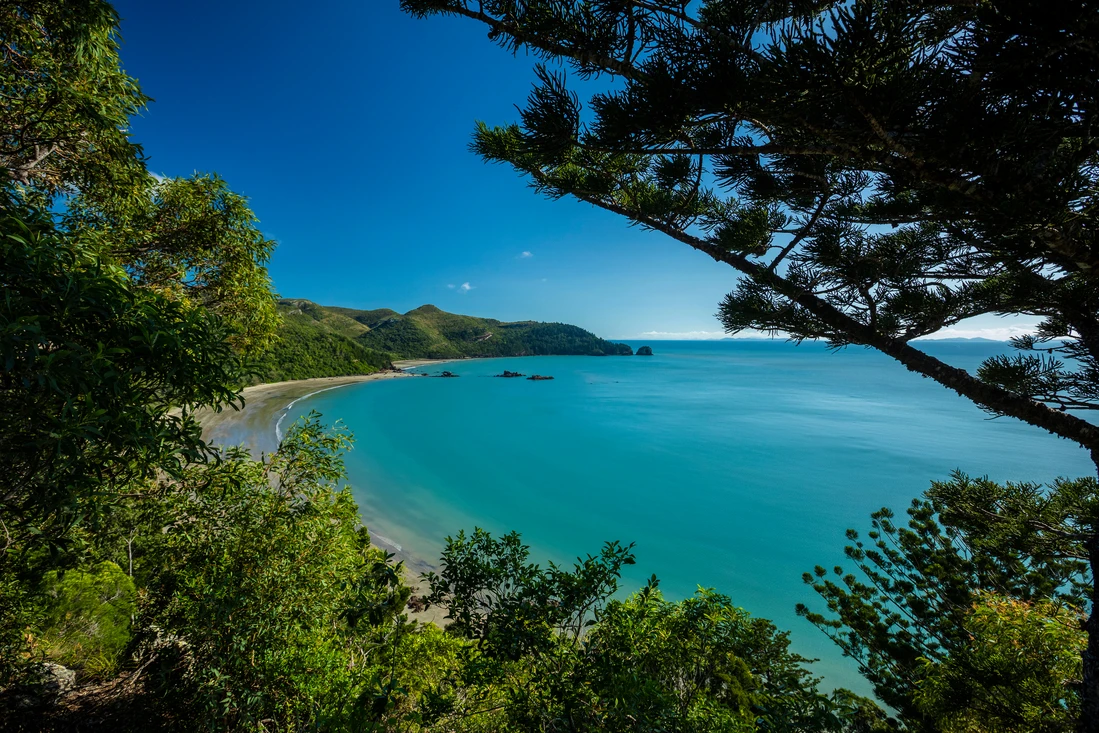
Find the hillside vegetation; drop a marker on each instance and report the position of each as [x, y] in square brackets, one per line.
[321, 341]
[929, 162]
[313, 342]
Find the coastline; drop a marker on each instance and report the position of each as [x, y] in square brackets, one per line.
[265, 405]
[256, 427]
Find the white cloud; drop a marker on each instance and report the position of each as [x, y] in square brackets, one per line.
[998, 333]
[1002, 333]
[451, 286]
[968, 329]
[683, 335]
[525, 255]
[465, 288]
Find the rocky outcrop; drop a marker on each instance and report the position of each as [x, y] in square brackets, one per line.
[510, 375]
[645, 351]
[538, 378]
[54, 680]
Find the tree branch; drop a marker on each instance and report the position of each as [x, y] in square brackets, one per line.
[965, 384]
[801, 234]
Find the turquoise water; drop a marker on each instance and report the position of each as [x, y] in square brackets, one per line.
[735, 464]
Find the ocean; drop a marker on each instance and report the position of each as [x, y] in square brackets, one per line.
[736, 465]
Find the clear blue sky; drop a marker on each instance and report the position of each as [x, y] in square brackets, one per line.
[346, 123]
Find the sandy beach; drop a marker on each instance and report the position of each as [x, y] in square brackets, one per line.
[254, 427]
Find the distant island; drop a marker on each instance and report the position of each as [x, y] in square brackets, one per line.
[328, 341]
[645, 351]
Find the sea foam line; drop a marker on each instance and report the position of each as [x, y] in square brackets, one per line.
[286, 410]
[278, 437]
[386, 541]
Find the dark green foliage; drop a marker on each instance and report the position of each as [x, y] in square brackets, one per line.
[679, 665]
[1049, 526]
[91, 367]
[304, 352]
[67, 102]
[87, 620]
[553, 652]
[19, 613]
[282, 602]
[511, 607]
[191, 238]
[917, 584]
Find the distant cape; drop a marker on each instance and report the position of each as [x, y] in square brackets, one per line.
[326, 341]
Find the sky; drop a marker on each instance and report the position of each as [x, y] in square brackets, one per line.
[346, 123]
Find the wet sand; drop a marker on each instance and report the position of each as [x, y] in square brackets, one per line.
[253, 427]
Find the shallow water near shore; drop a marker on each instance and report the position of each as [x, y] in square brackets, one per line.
[736, 465]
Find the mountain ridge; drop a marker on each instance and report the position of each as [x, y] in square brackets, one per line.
[330, 341]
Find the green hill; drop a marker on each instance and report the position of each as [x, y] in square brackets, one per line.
[324, 341]
[428, 332]
[317, 342]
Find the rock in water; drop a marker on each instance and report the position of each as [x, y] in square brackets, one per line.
[645, 351]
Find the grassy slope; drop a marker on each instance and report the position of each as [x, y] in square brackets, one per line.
[314, 342]
[430, 332]
[321, 341]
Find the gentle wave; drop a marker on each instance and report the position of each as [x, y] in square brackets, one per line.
[286, 410]
[386, 541]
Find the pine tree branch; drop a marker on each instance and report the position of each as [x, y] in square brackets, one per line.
[511, 29]
[994, 398]
[801, 234]
[732, 150]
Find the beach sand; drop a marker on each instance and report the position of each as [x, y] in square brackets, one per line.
[254, 428]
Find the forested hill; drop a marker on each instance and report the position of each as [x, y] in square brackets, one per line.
[325, 341]
[314, 343]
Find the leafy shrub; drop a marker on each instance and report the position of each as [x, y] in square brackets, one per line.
[1015, 673]
[88, 617]
[552, 650]
[269, 576]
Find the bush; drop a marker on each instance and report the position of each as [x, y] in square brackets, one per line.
[88, 617]
[268, 575]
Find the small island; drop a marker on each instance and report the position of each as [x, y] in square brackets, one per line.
[644, 351]
[448, 374]
[510, 375]
[538, 378]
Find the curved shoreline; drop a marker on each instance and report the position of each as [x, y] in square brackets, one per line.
[256, 427]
